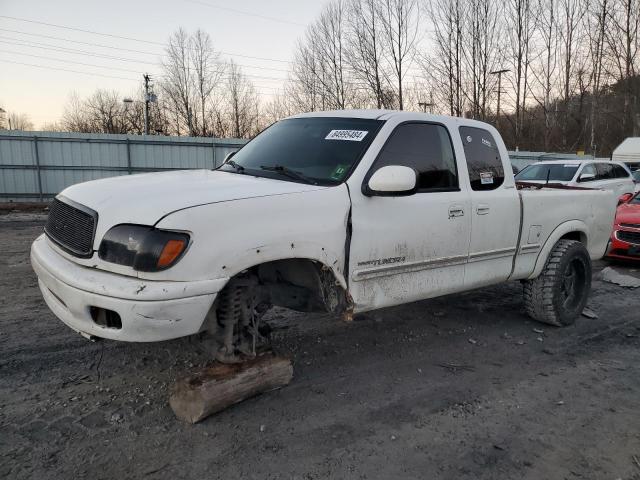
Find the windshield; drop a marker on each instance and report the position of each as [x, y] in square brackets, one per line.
[554, 172]
[636, 176]
[313, 150]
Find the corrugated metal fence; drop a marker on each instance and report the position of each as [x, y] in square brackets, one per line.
[35, 166]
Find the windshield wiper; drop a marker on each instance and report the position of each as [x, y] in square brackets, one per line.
[286, 171]
[238, 168]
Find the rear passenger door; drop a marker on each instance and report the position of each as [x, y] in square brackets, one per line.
[495, 210]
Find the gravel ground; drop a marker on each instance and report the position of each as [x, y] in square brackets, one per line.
[461, 387]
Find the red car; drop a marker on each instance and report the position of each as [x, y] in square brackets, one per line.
[625, 239]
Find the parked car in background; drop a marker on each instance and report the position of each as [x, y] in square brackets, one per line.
[625, 239]
[636, 178]
[605, 175]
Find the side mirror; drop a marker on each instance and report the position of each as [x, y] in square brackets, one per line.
[586, 177]
[228, 156]
[625, 198]
[393, 180]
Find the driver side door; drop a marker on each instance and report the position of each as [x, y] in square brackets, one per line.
[410, 247]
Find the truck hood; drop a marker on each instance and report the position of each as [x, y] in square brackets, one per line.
[146, 198]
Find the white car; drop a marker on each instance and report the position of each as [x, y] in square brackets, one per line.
[636, 178]
[344, 211]
[607, 175]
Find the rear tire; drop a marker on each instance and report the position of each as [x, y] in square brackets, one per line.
[560, 293]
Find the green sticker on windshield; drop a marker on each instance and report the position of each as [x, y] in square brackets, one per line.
[339, 172]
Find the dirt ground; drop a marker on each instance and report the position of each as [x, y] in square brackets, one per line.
[462, 387]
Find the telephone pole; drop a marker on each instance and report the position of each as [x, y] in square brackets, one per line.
[429, 104]
[499, 73]
[147, 79]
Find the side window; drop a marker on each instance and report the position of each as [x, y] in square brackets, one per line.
[427, 149]
[483, 159]
[605, 171]
[619, 172]
[589, 169]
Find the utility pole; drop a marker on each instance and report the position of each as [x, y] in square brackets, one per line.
[499, 73]
[147, 79]
[429, 104]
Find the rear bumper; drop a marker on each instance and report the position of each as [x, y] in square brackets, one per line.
[149, 310]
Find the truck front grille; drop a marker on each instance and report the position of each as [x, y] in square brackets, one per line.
[629, 237]
[72, 227]
[630, 225]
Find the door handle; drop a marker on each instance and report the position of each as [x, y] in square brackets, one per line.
[482, 209]
[456, 211]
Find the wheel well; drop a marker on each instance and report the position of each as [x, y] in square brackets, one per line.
[575, 235]
[300, 284]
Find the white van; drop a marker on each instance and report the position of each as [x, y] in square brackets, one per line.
[606, 175]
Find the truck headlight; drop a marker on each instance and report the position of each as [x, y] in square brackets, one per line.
[144, 248]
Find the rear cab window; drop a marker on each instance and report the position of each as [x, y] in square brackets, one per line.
[486, 171]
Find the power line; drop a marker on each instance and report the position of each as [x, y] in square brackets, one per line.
[98, 55]
[69, 61]
[46, 46]
[243, 12]
[46, 67]
[67, 70]
[92, 44]
[110, 35]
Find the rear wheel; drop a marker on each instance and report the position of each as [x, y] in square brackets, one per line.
[559, 294]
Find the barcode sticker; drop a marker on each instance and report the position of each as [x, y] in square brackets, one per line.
[348, 135]
[486, 178]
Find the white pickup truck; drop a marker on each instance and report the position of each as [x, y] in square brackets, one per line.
[344, 211]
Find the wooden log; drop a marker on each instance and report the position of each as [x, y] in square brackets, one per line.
[219, 386]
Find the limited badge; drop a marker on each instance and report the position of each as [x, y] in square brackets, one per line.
[348, 135]
[486, 178]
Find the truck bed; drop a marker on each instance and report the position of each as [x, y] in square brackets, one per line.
[548, 213]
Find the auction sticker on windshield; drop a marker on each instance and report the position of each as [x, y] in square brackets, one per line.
[349, 135]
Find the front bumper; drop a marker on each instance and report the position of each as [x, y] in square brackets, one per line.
[622, 250]
[149, 310]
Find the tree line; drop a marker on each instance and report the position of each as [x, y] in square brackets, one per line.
[570, 81]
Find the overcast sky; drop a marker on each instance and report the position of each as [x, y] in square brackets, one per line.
[266, 29]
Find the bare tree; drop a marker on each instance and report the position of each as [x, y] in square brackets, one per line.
[178, 81]
[544, 73]
[571, 15]
[521, 28]
[624, 42]
[400, 26]
[597, 24]
[443, 67]
[319, 77]
[19, 121]
[207, 72]
[367, 49]
[481, 51]
[242, 103]
[102, 112]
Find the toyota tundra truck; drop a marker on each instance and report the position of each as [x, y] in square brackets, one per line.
[342, 212]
